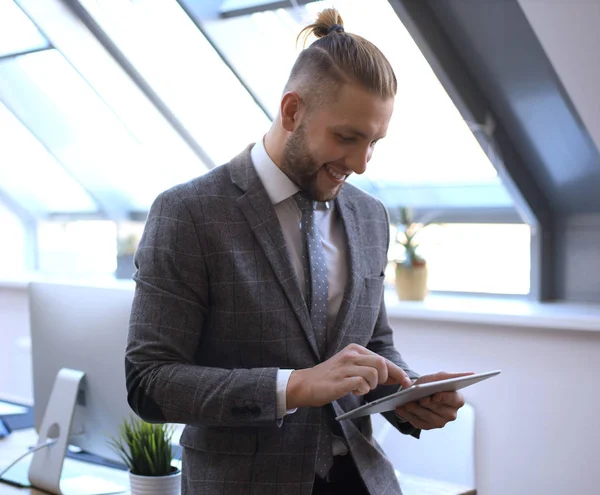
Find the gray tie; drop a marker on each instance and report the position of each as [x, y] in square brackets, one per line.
[315, 273]
[315, 270]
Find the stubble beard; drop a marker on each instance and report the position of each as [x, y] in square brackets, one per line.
[302, 168]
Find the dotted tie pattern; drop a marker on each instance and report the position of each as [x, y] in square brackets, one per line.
[315, 270]
[315, 274]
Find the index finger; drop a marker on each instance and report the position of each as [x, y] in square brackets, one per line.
[396, 375]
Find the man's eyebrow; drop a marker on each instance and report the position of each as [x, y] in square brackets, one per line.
[350, 130]
[353, 130]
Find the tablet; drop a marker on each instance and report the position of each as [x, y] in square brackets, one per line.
[415, 392]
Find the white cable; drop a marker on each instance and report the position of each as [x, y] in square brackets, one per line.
[30, 451]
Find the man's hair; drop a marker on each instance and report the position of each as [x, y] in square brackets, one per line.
[336, 58]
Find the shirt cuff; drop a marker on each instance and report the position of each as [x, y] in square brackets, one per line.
[283, 377]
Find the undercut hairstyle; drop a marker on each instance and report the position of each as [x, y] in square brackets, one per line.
[336, 58]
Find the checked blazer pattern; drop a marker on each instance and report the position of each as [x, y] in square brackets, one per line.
[218, 309]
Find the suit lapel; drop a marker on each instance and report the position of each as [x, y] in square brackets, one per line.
[262, 219]
[350, 220]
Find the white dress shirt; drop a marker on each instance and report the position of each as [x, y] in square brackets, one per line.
[281, 190]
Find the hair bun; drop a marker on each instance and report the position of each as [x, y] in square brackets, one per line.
[328, 21]
[336, 28]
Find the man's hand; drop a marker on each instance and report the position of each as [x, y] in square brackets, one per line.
[354, 369]
[436, 410]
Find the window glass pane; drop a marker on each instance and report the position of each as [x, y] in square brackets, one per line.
[185, 71]
[75, 124]
[13, 252]
[486, 258]
[272, 33]
[428, 141]
[31, 176]
[86, 248]
[168, 158]
[17, 32]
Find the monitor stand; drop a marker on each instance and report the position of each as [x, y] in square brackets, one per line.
[47, 463]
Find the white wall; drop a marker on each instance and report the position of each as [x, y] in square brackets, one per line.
[538, 423]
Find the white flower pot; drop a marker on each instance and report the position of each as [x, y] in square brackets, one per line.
[155, 485]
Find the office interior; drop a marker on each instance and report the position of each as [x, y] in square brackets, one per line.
[494, 143]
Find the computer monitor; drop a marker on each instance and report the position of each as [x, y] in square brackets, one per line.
[82, 328]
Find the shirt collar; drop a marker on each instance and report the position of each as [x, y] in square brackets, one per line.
[279, 186]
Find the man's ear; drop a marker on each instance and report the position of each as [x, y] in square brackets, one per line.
[291, 103]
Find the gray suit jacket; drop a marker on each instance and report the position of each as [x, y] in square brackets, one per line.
[217, 311]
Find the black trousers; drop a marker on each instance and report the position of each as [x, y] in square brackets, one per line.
[343, 479]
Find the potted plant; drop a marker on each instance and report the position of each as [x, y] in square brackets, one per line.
[146, 450]
[411, 272]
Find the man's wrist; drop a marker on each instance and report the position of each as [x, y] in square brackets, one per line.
[295, 390]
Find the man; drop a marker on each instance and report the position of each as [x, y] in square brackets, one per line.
[258, 315]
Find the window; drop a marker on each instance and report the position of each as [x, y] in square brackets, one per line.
[13, 253]
[81, 249]
[110, 150]
[430, 159]
[22, 157]
[478, 258]
[94, 144]
[183, 68]
[17, 33]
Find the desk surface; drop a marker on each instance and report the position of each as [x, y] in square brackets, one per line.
[19, 441]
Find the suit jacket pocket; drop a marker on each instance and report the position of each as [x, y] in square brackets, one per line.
[373, 291]
[375, 282]
[220, 440]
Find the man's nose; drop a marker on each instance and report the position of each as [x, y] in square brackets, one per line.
[359, 160]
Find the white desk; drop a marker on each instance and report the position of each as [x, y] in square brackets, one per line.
[19, 441]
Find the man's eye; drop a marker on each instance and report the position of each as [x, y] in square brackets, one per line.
[346, 139]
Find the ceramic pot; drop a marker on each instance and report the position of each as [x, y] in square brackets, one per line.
[156, 485]
[411, 282]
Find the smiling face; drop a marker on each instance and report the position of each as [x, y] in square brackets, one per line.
[328, 143]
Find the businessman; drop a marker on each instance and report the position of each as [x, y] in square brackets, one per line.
[259, 315]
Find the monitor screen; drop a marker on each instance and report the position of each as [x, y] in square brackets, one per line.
[83, 328]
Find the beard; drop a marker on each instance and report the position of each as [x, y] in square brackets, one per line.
[302, 169]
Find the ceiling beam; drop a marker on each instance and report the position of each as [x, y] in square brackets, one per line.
[237, 8]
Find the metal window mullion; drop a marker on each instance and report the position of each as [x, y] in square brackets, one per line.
[10, 56]
[105, 209]
[82, 14]
[197, 22]
[262, 7]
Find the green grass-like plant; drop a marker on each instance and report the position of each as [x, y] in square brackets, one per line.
[145, 448]
[407, 230]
